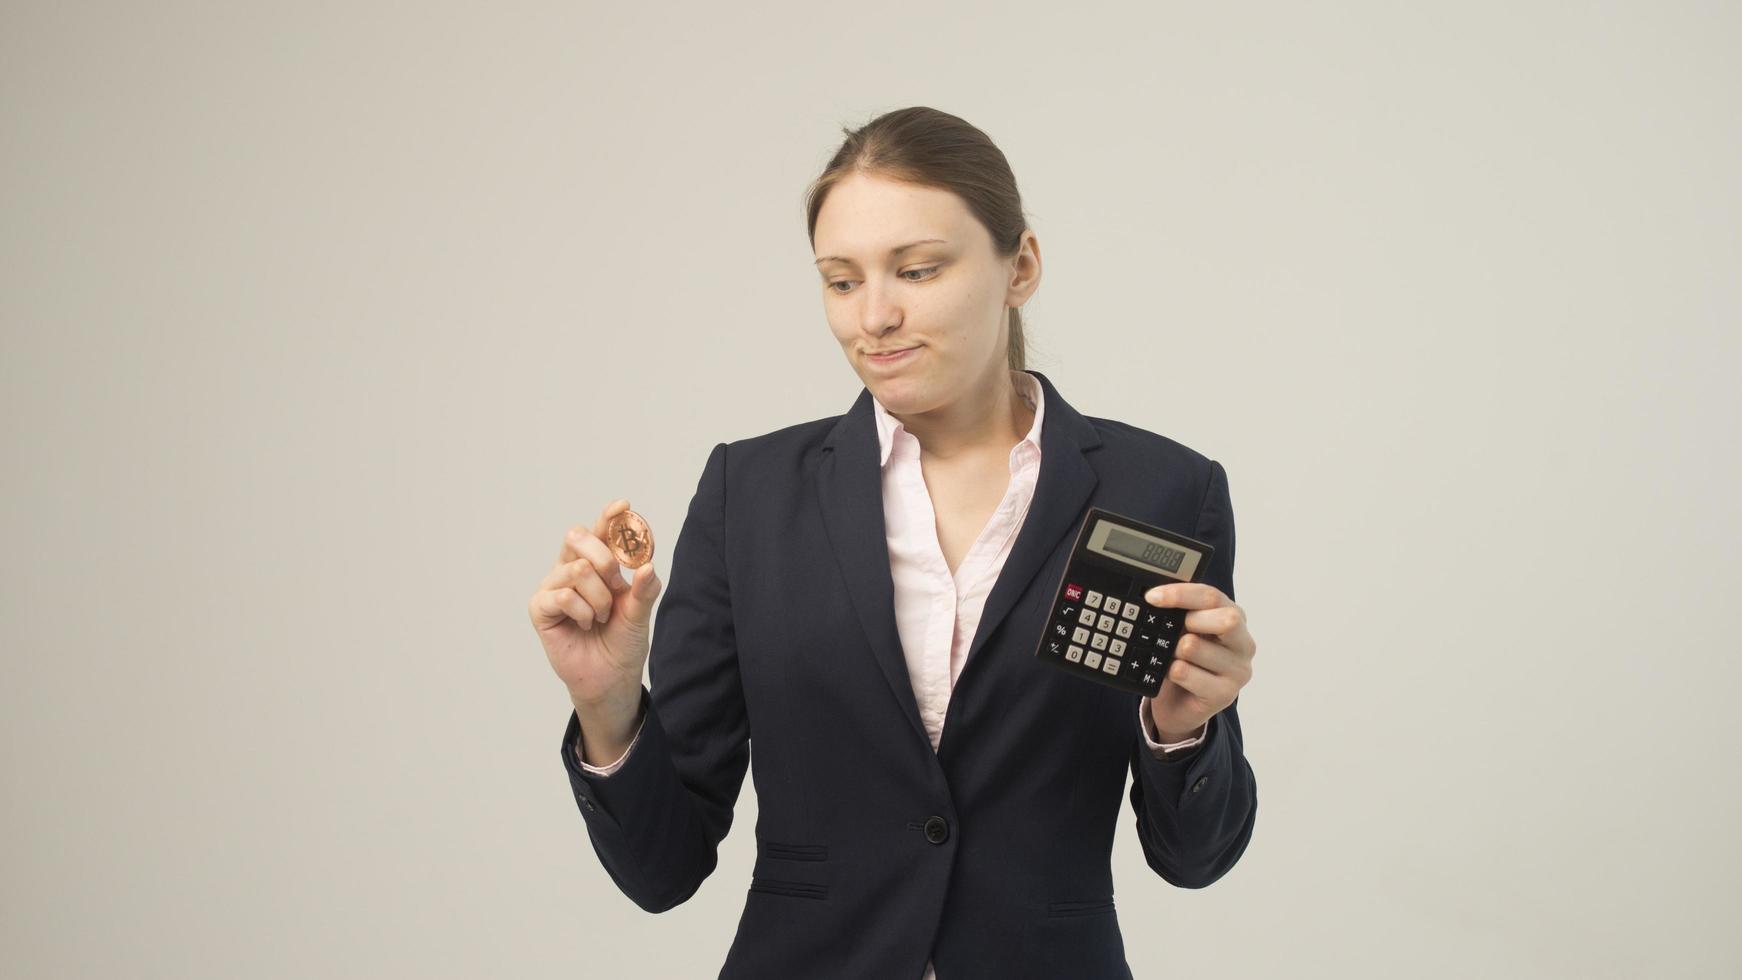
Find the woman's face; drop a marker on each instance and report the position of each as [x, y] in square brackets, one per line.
[943, 294]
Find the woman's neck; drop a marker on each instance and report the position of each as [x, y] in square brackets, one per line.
[987, 423]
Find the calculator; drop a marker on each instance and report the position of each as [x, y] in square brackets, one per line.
[1101, 629]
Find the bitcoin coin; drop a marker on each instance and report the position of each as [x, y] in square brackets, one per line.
[630, 540]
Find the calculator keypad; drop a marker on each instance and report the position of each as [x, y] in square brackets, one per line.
[1101, 626]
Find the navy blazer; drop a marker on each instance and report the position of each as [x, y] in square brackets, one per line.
[991, 855]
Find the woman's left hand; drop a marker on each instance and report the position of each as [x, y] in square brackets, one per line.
[1212, 662]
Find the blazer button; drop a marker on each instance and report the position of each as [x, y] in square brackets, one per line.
[586, 803]
[1200, 783]
[937, 829]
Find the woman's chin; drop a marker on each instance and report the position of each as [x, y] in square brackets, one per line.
[895, 391]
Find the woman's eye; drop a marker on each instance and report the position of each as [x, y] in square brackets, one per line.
[927, 271]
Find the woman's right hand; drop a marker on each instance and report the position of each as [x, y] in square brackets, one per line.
[594, 625]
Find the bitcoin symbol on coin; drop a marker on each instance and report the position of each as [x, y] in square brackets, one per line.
[630, 540]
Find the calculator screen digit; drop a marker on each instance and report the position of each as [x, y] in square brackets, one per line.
[1146, 551]
[1101, 628]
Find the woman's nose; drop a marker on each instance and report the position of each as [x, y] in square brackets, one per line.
[878, 315]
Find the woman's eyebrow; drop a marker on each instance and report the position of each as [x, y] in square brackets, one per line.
[897, 250]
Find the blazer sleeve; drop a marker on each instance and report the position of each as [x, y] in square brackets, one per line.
[656, 821]
[1195, 814]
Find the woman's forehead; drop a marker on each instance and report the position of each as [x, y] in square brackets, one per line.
[915, 208]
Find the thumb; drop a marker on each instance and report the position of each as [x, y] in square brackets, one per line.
[643, 590]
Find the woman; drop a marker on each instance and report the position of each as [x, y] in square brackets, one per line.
[863, 595]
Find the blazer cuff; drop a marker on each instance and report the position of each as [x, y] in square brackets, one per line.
[1173, 778]
[613, 767]
[1166, 751]
[631, 774]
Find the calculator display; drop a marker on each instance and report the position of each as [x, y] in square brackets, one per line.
[1102, 628]
[1144, 551]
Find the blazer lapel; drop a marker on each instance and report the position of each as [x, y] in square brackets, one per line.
[1061, 493]
[849, 485]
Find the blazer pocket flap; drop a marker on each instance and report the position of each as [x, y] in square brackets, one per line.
[792, 852]
[1092, 906]
[795, 889]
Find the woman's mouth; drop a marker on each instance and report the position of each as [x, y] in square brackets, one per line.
[893, 357]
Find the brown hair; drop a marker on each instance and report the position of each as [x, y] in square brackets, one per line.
[921, 145]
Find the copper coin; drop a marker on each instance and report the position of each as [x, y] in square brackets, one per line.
[630, 540]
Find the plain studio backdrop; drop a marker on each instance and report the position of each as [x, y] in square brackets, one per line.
[323, 322]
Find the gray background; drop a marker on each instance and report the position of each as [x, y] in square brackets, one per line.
[323, 321]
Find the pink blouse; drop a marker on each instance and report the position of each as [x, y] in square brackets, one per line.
[936, 612]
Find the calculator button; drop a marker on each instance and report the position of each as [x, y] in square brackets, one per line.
[1098, 641]
[1123, 629]
[1130, 610]
[1110, 666]
[1091, 659]
[1086, 616]
[1073, 591]
[1093, 601]
[1080, 635]
[1105, 623]
[1074, 654]
[1116, 648]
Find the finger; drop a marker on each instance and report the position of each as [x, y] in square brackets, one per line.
[586, 547]
[584, 579]
[1225, 624]
[575, 607]
[604, 560]
[1213, 657]
[602, 526]
[550, 606]
[569, 550]
[1196, 681]
[571, 547]
[569, 575]
[1186, 595]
